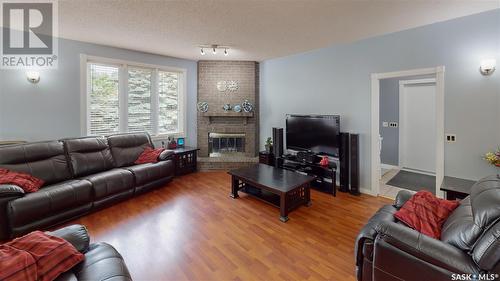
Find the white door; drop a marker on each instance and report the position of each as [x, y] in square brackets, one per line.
[417, 132]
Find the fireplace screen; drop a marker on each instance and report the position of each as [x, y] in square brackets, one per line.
[226, 144]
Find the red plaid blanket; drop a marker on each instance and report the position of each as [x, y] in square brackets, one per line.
[37, 256]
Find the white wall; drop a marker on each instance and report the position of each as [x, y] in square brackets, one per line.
[51, 108]
[336, 80]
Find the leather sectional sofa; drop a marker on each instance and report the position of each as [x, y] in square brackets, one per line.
[102, 261]
[81, 175]
[387, 250]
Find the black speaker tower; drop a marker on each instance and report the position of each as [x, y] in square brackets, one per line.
[344, 162]
[278, 142]
[354, 164]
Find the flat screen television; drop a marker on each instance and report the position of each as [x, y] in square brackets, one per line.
[316, 133]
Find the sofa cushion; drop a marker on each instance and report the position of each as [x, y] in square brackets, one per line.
[111, 182]
[49, 201]
[475, 213]
[27, 182]
[149, 155]
[88, 155]
[44, 160]
[102, 262]
[426, 213]
[126, 148]
[145, 173]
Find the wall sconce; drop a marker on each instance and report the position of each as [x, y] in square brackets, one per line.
[33, 76]
[487, 67]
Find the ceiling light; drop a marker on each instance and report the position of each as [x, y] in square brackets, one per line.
[214, 51]
[225, 52]
[202, 52]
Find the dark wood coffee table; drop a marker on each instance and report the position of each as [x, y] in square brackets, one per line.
[284, 189]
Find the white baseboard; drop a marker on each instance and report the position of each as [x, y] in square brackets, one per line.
[389, 167]
[367, 191]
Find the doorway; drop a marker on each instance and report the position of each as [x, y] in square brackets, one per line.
[421, 148]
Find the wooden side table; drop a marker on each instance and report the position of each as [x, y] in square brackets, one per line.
[266, 158]
[456, 188]
[185, 160]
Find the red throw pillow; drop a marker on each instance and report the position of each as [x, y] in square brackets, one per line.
[149, 155]
[27, 182]
[426, 213]
[16, 265]
[52, 255]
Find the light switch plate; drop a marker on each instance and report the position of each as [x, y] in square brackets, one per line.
[385, 124]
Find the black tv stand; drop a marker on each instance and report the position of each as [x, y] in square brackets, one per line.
[323, 174]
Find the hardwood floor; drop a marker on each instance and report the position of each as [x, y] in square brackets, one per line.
[192, 230]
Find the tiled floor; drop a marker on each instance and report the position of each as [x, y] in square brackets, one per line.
[388, 191]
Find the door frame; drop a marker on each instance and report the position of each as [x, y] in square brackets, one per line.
[402, 85]
[438, 72]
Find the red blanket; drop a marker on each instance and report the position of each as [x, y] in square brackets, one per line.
[37, 256]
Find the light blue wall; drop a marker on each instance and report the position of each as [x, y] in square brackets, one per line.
[51, 108]
[336, 80]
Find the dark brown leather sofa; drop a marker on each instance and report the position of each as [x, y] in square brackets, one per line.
[81, 175]
[102, 261]
[387, 250]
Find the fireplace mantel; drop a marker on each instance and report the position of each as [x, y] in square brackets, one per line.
[231, 114]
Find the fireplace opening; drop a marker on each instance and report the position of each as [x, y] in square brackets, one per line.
[226, 144]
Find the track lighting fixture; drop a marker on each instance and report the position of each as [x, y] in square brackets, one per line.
[214, 48]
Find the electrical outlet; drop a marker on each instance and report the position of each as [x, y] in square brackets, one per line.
[451, 138]
[393, 124]
[385, 124]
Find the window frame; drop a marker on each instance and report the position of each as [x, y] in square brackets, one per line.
[123, 66]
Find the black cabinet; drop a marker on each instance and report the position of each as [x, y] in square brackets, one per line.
[185, 160]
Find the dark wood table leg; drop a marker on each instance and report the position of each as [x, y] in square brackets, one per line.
[334, 182]
[307, 195]
[235, 184]
[283, 207]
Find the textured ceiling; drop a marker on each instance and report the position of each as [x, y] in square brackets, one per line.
[255, 30]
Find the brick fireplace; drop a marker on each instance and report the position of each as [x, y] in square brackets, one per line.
[227, 139]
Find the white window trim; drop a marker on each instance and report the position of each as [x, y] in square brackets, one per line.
[123, 64]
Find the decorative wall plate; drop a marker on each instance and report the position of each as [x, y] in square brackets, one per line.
[227, 107]
[237, 108]
[222, 86]
[247, 106]
[203, 106]
[232, 85]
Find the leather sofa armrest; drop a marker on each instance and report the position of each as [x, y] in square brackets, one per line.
[8, 192]
[166, 155]
[75, 234]
[11, 190]
[401, 198]
[425, 248]
[369, 232]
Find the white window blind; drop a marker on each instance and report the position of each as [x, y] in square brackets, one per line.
[132, 97]
[168, 94]
[139, 100]
[103, 99]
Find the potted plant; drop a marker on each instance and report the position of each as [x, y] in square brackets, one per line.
[494, 159]
[269, 145]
